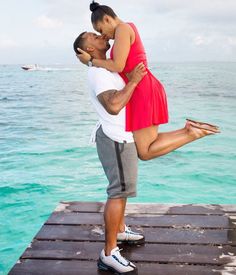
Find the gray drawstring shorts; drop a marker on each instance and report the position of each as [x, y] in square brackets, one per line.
[120, 164]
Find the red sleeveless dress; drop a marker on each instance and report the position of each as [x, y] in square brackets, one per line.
[148, 104]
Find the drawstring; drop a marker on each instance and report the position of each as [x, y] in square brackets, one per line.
[122, 147]
[92, 139]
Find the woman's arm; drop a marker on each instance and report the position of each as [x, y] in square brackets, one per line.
[121, 50]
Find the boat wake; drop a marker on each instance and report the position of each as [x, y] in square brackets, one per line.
[36, 67]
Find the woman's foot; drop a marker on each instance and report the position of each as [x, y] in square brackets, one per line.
[200, 131]
[203, 125]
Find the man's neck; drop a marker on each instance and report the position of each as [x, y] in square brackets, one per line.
[100, 55]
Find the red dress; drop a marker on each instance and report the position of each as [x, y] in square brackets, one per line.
[148, 104]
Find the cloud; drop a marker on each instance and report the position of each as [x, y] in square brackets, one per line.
[232, 40]
[199, 40]
[70, 11]
[6, 43]
[46, 22]
[170, 30]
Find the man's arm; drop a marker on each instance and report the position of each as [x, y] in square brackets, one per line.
[113, 101]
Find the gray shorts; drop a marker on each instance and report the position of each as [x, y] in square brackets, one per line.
[120, 164]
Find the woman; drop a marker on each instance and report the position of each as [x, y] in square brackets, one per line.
[147, 108]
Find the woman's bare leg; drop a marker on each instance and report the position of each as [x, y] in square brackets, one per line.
[151, 144]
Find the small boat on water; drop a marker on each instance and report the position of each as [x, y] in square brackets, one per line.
[34, 67]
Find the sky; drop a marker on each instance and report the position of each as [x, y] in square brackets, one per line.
[43, 31]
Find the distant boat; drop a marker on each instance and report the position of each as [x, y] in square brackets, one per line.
[34, 67]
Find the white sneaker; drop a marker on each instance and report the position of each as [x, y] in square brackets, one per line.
[115, 262]
[130, 236]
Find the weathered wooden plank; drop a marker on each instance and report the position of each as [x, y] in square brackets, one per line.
[87, 207]
[58, 267]
[152, 235]
[185, 221]
[181, 254]
[153, 208]
[180, 239]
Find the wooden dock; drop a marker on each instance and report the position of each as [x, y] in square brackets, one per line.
[181, 239]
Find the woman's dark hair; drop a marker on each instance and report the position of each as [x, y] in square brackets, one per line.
[98, 12]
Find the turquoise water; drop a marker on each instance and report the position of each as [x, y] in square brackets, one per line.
[45, 124]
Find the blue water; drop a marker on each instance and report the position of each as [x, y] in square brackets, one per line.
[45, 123]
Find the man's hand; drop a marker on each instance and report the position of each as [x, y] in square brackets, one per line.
[84, 57]
[137, 74]
[113, 101]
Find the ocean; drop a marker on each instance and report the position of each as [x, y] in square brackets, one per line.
[45, 157]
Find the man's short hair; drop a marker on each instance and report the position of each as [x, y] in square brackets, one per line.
[79, 43]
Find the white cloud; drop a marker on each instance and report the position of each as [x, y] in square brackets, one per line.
[170, 30]
[8, 43]
[232, 41]
[215, 40]
[201, 40]
[46, 22]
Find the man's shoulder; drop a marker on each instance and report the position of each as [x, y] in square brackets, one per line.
[98, 71]
[101, 72]
[101, 80]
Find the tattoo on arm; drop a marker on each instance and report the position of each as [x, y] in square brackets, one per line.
[113, 100]
[106, 98]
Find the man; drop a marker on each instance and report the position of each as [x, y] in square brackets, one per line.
[116, 149]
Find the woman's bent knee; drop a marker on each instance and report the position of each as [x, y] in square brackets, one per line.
[144, 156]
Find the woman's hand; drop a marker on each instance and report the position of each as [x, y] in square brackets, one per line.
[84, 57]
